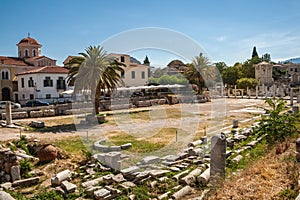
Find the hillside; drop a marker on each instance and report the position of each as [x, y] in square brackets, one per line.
[293, 60]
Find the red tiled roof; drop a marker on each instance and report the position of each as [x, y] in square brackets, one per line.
[29, 40]
[47, 70]
[12, 61]
[38, 57]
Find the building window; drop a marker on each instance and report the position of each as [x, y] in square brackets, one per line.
[31, 96]
[48, 82]
[60, 83]
[19, 54]
[5, 74]
[122, 74]
[133, 74]
[143, 75]
[26, 52]
[22, 82]
[122, 59]
[296, 69]
[291, 69]
[34, 52]
[48, 96]
[30, 82]
[23, 96]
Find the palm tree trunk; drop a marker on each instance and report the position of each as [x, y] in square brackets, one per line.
[200, 85]
[97, 99]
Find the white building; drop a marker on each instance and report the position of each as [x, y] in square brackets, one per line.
[135, 73]
[44, 83]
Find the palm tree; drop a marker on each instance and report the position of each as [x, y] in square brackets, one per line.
[200, 70]
[94, 70]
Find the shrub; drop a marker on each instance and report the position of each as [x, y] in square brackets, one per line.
[22, 143]
[277, 124]
[25, 168]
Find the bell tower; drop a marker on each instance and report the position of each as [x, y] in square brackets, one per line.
[29, 47]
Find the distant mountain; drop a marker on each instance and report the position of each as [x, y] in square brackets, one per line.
[293, 60]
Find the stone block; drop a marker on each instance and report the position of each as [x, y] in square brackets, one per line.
[150, 160]
[127, 185]
[92, 182]
[68, 187]
[49, 113]
[171, 158]
[126, 146]
[130, 170]
[5, 196]
[16, 115]
[34, 114]
[182, 192]
[15, 173]
[90, 191]
[119, 178]
[26, 182]
[37, 124]
[113, 160]
[6, 186]
[101, 194]
[108, 179]
[237, 159]
[60, 177]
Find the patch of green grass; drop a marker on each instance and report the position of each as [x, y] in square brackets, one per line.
[72, 146]
[141, 193]
[138, 146]
[253, 154]
[287, 194]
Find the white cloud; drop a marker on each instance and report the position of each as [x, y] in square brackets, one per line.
[221, 38]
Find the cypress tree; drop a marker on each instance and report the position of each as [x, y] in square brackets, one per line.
[146, 61]
[254, 52]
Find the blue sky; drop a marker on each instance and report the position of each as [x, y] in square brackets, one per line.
[227, 30]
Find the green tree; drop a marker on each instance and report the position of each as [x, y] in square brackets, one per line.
[94, 70]
[230, 75]
[244, 83]
[199, 68]
[266, 57]
[221, 66]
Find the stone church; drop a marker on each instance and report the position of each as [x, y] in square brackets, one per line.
[29, 57]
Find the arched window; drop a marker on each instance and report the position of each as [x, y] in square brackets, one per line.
[26, 52]
[34, 52]
[5, 74]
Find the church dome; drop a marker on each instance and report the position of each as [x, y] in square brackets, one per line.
[29, 40]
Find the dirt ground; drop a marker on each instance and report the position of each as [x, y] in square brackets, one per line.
[263, 179]
[216, 114]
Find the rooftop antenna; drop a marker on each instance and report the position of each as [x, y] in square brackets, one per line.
[28, 34]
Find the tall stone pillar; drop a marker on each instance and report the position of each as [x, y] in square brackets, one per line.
[217, 159]
[8, 113]
[235, 91]
[256, 92]
[292, 97]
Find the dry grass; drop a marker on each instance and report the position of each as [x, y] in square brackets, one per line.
[264, 179]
